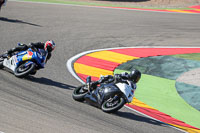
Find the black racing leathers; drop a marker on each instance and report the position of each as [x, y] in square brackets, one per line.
[1, 3]
[122, 78]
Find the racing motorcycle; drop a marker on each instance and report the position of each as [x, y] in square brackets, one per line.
[25, 62]
[109, 97]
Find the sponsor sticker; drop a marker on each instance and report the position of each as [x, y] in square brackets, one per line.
[30, 53]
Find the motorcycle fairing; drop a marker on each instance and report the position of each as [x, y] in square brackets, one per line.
[38, 56]
[102, 93]
[11, 63]
[127, 90]
[27, 56]
[23, 56]
[42, 56]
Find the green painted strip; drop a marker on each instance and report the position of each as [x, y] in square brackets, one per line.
[103, 5]
[160, 93]
[194, 56]
[118, 71]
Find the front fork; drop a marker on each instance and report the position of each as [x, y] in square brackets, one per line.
[113, 99]
[88, 81]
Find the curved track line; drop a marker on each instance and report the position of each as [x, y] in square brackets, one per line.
[71, 61]
[191, 10]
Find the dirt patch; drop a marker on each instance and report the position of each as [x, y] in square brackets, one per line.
[191, 77]
[147, 3]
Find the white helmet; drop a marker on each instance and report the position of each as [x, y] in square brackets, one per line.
[49, 45]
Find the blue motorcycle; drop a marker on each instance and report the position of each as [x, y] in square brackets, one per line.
[25, 62]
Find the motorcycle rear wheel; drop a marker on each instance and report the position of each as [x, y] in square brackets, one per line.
[1, 64]
[79, 93]
[112, 109]
[22, 71]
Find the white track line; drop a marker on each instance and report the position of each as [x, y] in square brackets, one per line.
[72, 59]
[70, 62]
[49, 3]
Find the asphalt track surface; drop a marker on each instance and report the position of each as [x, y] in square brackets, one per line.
[43, 103]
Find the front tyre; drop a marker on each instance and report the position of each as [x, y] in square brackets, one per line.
[111, 106]
[79, 93]
[23, 71]
[33, 72]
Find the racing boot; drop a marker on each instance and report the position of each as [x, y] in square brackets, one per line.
[9, 53]
[93, 85]
[88, 81]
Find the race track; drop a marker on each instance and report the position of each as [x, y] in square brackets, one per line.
[43, 103]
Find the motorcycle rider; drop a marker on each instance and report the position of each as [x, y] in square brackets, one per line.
[2, 2]
[48, 46]
[129, 78]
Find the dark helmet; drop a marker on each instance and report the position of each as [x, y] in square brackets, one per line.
[135, 75]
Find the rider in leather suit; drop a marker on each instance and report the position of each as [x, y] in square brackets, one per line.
[48, 46]
[2, 2]
[133, 77]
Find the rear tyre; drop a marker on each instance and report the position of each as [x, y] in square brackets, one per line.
[113, 106]
[1, 63]
[79, 93]
[33, 72]
[23, 71]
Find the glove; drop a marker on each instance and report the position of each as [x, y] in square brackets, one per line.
[21, 44]
[117, 78]
[8, 53]
[104, 78]
[124, 74]
[30, 45]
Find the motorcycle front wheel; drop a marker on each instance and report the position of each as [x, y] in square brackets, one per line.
[111, 106]
[79, 93]
[23, 71]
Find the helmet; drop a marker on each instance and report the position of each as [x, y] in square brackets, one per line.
[135, 75]
[49, 45]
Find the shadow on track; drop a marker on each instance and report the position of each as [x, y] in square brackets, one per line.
[17, 21]
[135, 117]
[125, 0]
[49, 82]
